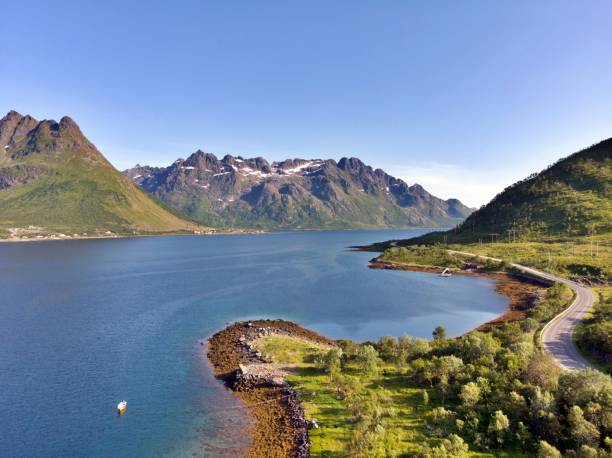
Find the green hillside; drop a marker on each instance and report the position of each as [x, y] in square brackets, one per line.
[571, 199]
[559, 220]
[53, 178]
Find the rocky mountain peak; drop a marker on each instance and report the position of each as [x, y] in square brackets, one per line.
[295, 193]
[351, 164]
[67, 123]
[12, 114]
[23, 135]
[14, 127]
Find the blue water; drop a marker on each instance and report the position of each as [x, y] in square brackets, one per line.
[84, 324]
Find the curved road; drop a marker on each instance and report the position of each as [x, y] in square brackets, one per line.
[557, 333]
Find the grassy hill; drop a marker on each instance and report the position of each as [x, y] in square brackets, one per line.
[559, 220]
[53, 178]
[572, 198]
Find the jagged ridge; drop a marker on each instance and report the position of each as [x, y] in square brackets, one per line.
[293, 194]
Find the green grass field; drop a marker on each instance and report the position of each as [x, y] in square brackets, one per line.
[323, 400]
[587, 258]
[581, 258]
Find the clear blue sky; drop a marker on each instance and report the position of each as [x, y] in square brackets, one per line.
[462, 97]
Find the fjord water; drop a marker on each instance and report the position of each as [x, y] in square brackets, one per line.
[85, 324]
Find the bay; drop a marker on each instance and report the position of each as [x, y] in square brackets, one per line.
[87, 323]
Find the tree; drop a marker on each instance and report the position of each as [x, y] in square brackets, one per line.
[523, 436]
[479, 347]
[367, 359]
[484, 385]
[330, 362]
[388, 348]
[410, 348]
[441, 418]
[370, 436]
[470, 394]
[439, 333]
[545, 450]
[524, 351]
[445, 368]
[543, 371]
[425, 398]
[587, 452]
[453, 447]
[498, 426]
[580, 387]
[544, 416]
[516, 405]
[582, 431]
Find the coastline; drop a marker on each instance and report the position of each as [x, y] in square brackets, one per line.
[278, 426]
[521, 290]
[57, 238]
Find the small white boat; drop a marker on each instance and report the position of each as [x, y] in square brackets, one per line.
[446, 273]
[122, 407]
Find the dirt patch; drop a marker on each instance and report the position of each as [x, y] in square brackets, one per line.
[278, 427]
[523, 291]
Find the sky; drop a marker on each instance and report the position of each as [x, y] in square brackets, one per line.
[464, 98]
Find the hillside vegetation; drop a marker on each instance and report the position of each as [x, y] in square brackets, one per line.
[53, 179]
[572, 198]
[594, 335]
[482, 394]
[559, 220]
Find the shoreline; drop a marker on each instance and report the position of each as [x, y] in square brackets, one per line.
[124, 236]
[204, 233]
[278, 425]
[522, 291]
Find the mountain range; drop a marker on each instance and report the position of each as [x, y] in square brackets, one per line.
[293, 194]
[52, 178]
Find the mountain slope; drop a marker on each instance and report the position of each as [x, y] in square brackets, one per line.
[52, 176]
[571, 198]
[293, 194]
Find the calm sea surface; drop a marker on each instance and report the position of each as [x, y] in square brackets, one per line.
[85, 324]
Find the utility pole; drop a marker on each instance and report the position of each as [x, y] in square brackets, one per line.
[511, 235]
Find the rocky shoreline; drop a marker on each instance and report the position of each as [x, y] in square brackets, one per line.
[279, 427]
[522, 290]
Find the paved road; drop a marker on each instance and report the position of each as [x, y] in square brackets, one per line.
[557, 334]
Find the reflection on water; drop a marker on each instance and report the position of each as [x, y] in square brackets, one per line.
[88, 323]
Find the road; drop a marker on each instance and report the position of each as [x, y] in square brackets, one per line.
[557, 334]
